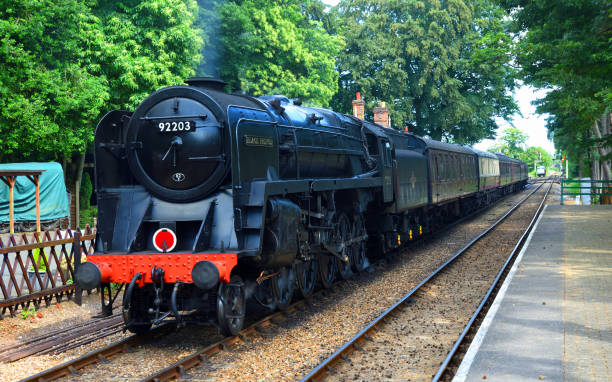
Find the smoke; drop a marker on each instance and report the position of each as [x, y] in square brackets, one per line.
[249, 288]
[209, 21]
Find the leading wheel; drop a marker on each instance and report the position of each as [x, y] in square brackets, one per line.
[135, 315]
[342, 236]
[231, 306]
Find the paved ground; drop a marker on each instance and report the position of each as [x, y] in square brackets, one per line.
[555, 321]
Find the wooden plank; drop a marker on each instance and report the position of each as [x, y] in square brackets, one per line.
[39, 294]
[36, 183]
[20, 172]
[11, 183]
[25, 247]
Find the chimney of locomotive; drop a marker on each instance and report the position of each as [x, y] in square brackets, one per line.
[381, 115]
[358, 106]
[207, 83]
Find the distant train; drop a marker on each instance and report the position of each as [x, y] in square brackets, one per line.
[206, 199]
[541, 171]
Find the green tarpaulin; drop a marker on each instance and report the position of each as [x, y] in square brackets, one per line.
[53, 196]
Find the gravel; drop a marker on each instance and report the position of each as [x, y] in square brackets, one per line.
[57, 316]
[313, 335]
[294, 347]
[416, 339]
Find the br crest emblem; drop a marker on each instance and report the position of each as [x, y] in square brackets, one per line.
[178, 177]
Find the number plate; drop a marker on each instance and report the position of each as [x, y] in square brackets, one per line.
[173, 127]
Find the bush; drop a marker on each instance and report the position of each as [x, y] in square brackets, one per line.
[85, 191]
[87, 216]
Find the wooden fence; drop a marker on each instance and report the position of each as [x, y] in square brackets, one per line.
[36, 268]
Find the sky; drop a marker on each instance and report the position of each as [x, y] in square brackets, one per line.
[528, 121]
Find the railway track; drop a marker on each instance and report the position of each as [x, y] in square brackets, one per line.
[202, 357]
[265, 327]
[101, 355]
[453, 359]
[61, 340]
[362, 342]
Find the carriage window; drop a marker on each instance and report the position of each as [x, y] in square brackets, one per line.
[372, 144]
[388, 156]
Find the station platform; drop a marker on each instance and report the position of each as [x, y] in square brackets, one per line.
[552, 317]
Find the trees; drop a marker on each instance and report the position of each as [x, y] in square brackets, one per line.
[64, 64]
[143, 45]
[273, 48]
[536, 153]
[441, 65]
[49, 96]
[565, 46]
[513, 143]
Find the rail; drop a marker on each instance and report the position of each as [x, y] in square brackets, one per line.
[490, 292]
[37, 267]
[176, 370]
[354, 343]
[569, 184]
[202, 356]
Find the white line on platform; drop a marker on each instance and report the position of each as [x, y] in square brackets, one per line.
[470, 355]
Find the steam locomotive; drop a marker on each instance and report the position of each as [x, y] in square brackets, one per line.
[207, 198]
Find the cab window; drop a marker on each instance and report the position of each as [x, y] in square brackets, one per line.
[372, 144]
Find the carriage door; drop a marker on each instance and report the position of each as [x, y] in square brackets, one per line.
[387, 172]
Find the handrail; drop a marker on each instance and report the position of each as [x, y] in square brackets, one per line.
[580, 188]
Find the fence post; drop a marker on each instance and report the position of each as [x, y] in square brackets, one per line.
[562, 190]
[76, 248]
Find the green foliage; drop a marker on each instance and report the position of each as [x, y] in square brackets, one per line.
[87, 216]
[143, 45]
[536, 153]
[49, 99]
[512, 143]
[272, 47]
[39, 263]
[27, 313]
[64, 64]
[565, 46]
[85, 191]
[442, 66]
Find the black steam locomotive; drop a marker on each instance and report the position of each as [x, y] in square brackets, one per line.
[206, 199]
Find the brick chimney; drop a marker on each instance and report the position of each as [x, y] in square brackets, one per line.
[358, 106]
[381, 115]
